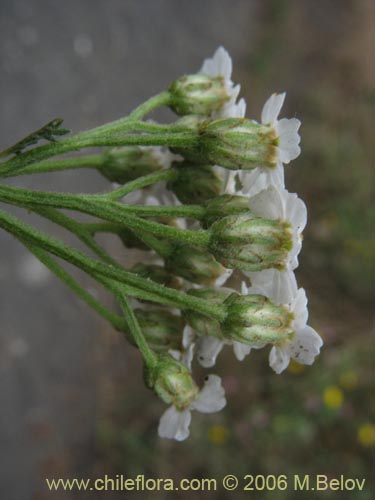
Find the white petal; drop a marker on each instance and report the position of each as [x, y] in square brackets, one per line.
[212, 396]
[219, 65]
[287, 130]
[279, 286]
[208, 348]
[187, 337]
[288, 153]
[174, 424]
[272, 108]
[241, 350]
[221, 280]
[187, 356]
[289, 138]
[244, 288]
[268, 203]
[279, 359]
[306, 346]
[238, 110]
[233, 109]
[295, 211]
[177, 355]
[261, 178]
[299, 309]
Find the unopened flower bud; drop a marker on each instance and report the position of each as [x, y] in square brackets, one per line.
[201, 323]
[194, 264]
[162, 330]
[198, 94]
[250, 243]
[172, 382]
[223, 205]
[194, 184]
[255, 320]
[126, 164]
[233, 143]
[158, 274]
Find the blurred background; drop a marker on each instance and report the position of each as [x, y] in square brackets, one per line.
[72, 401]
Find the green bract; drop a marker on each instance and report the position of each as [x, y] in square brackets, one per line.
[233, 143]
[197, 95]
[126, 164]
[172, 382]
[201, 323]
[255, 320]
[194, 184]
[226, 204]
[250, 243]
[194, 264]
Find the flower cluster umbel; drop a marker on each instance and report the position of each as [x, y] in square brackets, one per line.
[255, 226]
[205, 197]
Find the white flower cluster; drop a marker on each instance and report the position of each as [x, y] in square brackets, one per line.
[267, 198]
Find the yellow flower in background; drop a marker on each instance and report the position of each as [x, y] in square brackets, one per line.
[333, 397]
[349, 380]
[366, 435]
[218, 434]
[295, 367]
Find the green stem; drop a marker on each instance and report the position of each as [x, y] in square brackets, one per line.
[141, 182]
[87, 140]
[91, 161]
[116, 320]
[111, 211]
[76, 228]
[102, 227]
[163, 294]
[147, 354]
[162, 248]
[154, 102]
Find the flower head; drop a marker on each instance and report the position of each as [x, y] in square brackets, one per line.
[174, 423]
[287, 149]
[305, 344]
[244, 241]
[220, 66]
[279, 204]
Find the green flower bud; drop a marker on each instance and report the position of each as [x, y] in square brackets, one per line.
[233, 143]
[158, 274]
[255, 320]
[162, 330]
[202, 324]
[193, 264]
[223, 205]
[197, 95]
[172, 382]
[194, 184]
[126, 164]
[250, 243]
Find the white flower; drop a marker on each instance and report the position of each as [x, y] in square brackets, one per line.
[208, 349]
[272, 203]
[187, 353]
[272, 282]
[288, 148]
[174, 424]
[220, 65]
[306, 343]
